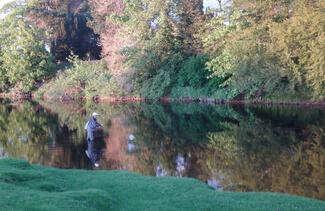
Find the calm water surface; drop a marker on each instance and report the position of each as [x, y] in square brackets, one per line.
[230, 148]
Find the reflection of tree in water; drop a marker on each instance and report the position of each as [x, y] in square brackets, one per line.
[176, 136]
[74, 116]
[30, 132]
[25, 130]
[71, 120]
[260, 149]
[290, 116]
[247, 150]
[184, 123]
[258, 155]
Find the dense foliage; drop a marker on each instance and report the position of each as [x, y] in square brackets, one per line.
[266, 48]
[82, 79]
[238, 49]
[65, 22]
[24, 60]
[163, 41]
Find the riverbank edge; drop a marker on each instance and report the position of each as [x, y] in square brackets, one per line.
[185, 100]
[26, 186]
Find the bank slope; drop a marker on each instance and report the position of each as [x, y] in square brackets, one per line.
[29, 187]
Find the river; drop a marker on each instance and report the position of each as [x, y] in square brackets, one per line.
[257, 148]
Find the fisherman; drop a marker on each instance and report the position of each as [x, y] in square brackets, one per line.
[91, 126]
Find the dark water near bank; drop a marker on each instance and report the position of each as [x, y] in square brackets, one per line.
[230, 148]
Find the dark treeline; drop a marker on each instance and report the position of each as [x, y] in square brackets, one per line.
[239, 49]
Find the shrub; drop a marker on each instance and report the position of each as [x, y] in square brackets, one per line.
[83, 79]
[23, 58]
[193, 79]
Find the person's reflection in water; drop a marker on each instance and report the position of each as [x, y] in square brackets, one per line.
[94, 140]
[215, 184]
[181, 165]
[160, 171]
[131, 144]
[94, 151]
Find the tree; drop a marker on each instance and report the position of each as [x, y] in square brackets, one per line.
[190, 13]
[23, 59]
[163, 32]
[107, 16]
[267, 49]
[66, 23]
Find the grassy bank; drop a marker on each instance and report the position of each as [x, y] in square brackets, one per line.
[25, 187]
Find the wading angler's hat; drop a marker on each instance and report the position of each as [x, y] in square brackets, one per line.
[95, 114]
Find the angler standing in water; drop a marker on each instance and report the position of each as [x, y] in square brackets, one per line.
[92, 127]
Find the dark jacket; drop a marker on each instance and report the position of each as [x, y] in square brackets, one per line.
[91, 126]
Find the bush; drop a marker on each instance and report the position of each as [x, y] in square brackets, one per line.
[193, 79]
[188, 91]
[275, 55]
[24, 60]
[158, 82]
[193, 72]
[156, 86]
[83, 79]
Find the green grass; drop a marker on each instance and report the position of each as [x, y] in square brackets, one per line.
[31, 187]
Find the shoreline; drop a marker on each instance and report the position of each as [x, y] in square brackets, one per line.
[166, 100]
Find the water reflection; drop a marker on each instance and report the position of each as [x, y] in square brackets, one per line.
[131, 144]
[181, 165]
[230, 148]
[94, 151]
[160, 171]
[215, 184]
[2, 153]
